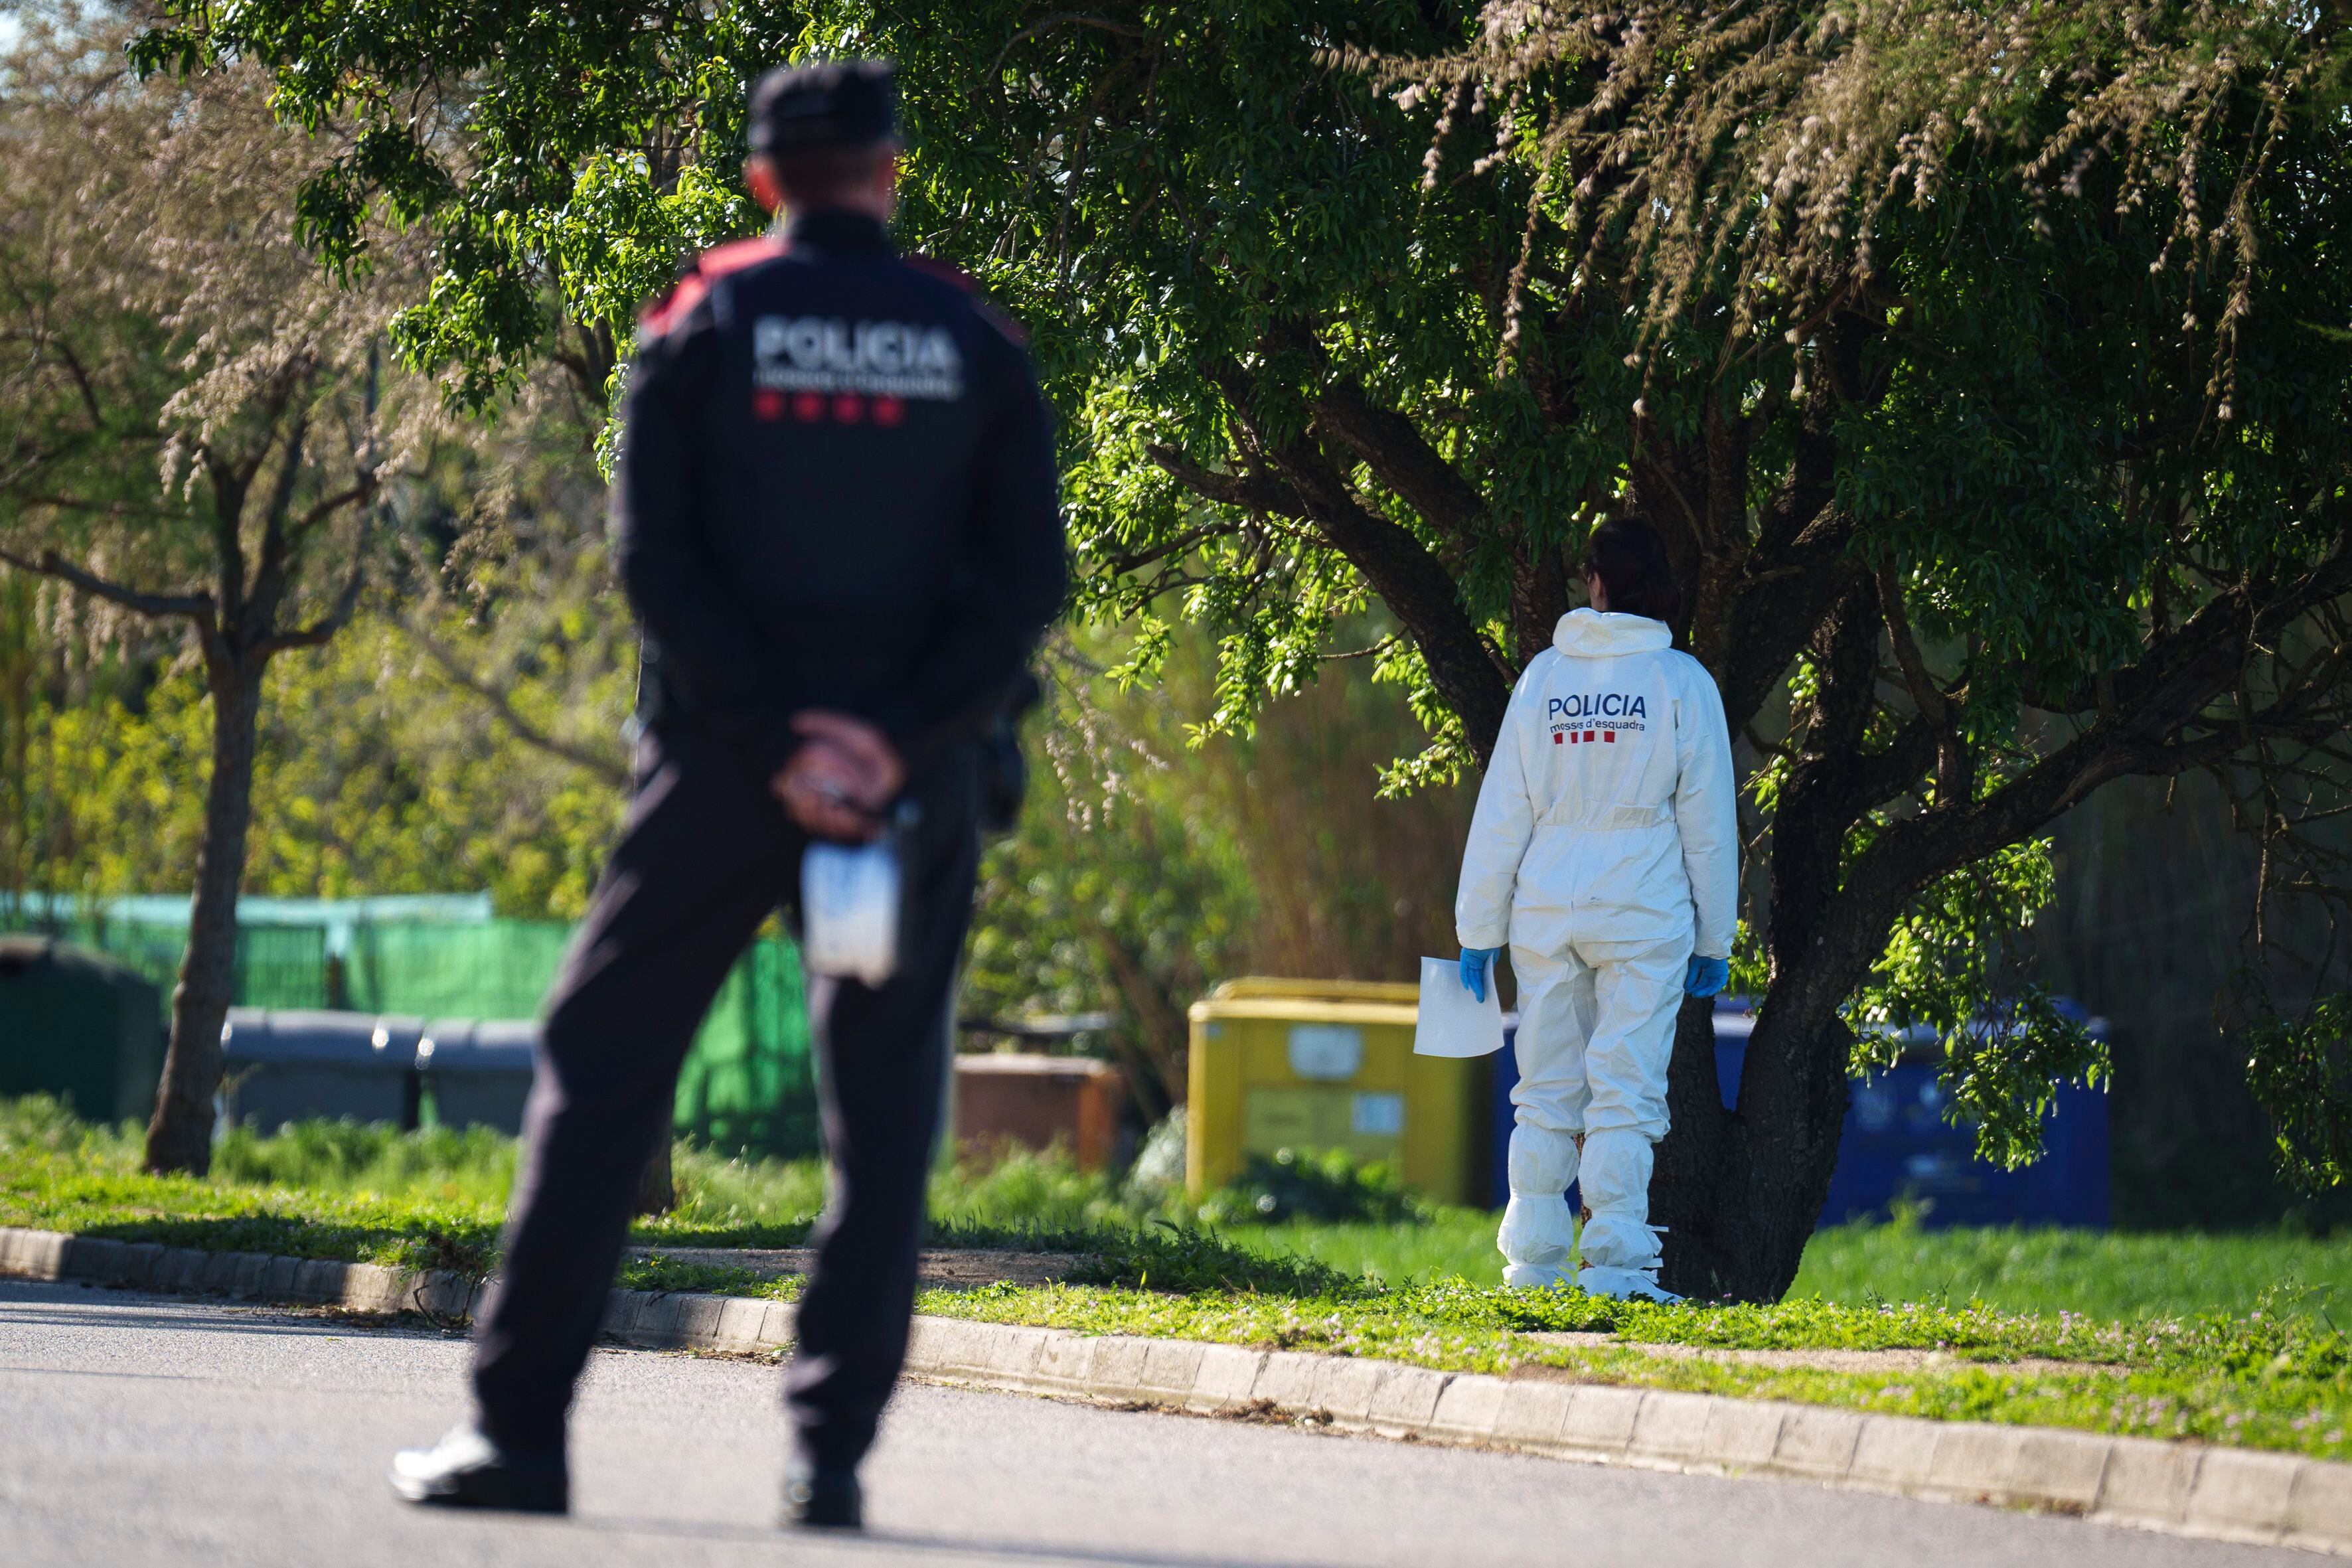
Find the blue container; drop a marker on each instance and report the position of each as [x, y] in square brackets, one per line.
[1897, 1146]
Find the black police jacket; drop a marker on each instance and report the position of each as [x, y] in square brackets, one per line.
[836, 489]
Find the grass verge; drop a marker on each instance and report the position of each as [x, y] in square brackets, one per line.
[436, 1200]
[2269, 1381]
[2274, 1373]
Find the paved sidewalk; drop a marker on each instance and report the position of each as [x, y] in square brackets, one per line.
[146, 1430]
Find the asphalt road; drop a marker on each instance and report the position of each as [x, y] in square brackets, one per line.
[137, 1430]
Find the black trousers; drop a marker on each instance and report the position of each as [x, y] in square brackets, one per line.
[706, 853]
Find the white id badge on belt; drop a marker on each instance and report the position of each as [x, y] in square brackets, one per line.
[853, 908]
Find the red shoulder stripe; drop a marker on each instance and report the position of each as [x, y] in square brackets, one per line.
[665, 312]
[736, 255]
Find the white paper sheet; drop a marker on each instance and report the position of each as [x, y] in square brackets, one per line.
[849, 909]
[1453, 1023]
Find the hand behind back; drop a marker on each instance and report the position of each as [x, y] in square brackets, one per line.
[844, 777]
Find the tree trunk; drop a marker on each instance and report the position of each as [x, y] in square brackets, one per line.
[180, 1137]
[1691, 1158]
[1792, 1106]
[1739, 1191]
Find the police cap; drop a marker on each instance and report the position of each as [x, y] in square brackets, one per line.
[825, 106]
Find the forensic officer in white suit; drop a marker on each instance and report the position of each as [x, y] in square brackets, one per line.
[1605, 852]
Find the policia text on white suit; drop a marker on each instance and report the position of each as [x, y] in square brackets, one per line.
[1605, 851]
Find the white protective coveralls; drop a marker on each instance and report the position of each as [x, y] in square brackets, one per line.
[1605, 849]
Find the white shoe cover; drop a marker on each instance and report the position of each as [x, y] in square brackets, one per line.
[1538, 1234]
[1541, 1160]
[1623, 1285]
[1616, 1173]
[1527, 1277]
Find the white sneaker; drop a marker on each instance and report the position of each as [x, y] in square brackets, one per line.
[1624, 1284]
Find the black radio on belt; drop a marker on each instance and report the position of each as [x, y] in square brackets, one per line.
[1004, 769]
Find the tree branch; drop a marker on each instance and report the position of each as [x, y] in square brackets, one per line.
[612, 772]
[1414, 583]
[323, 630]
[1955, 767]
[1120, 565]
[230, 483]
[2218, 633]
[1783, 588]
[1373, 650]
[1880, 776]
[360, 492]
[270, 572]
[2204, 659]
[198, 607]
[1250, 492]
[1405, 460]
[1402, 458]
[82, 380]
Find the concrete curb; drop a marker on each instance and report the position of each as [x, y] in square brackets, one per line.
[2182, 1489]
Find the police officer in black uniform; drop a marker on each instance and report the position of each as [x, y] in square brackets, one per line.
[836, 519]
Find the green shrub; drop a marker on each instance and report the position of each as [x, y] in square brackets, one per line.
[719, 1191]
[41, 1123]
[1156, 1180]
[1329, 1188]
[346, 1156]
[1021, 1190]
[1022, 1187]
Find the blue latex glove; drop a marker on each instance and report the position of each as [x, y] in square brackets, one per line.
[1477, 963]
[1706, 976]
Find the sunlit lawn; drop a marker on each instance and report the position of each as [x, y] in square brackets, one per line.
[2112, 1275]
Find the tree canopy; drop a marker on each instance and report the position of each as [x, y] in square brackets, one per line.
[1984, 367]
[193, 422]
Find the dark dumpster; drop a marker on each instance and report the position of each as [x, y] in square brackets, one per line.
[80, 1027]
[1897, 1146]
[279, 1067]
[478, 1072]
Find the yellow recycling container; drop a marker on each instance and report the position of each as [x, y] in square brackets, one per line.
[1328, 1064]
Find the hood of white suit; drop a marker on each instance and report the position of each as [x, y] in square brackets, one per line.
[1589, 634]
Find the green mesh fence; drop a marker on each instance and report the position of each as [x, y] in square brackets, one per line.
[277, 967]
[497, 969]
[281, 966]
[748, 1085]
